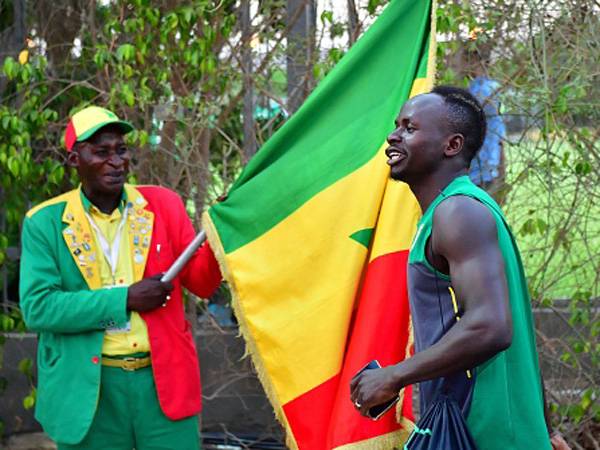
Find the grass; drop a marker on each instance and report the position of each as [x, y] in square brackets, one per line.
[553, 207]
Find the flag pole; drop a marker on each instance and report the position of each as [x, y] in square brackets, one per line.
[185, 256]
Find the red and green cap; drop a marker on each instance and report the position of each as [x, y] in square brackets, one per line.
[86, 122]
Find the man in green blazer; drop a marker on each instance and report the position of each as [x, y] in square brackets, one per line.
[117, 364]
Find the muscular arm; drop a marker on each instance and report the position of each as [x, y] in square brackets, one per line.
[465, 240]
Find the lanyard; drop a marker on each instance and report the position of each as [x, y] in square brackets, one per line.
[111, 252]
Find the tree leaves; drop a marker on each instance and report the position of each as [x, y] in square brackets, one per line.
[125, 52]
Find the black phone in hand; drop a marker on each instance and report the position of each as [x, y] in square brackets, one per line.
[375, 412]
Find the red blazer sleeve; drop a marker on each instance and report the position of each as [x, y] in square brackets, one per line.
[201, 275]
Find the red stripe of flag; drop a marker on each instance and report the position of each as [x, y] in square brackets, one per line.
[379, 332]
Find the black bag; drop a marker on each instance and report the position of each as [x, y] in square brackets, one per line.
[442, 427]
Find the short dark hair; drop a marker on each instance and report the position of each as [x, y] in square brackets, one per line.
[465, 116]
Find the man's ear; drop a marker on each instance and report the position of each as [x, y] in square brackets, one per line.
[73, 159]
[455, 145]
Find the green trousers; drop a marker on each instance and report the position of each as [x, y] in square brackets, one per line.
[129, 417]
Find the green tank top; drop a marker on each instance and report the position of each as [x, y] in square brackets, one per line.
[502, 398]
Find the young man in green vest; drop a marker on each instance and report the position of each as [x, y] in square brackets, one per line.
[470, 307]
[117, 364]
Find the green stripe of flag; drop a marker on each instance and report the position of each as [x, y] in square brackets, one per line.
[422, 70]
[338, 129]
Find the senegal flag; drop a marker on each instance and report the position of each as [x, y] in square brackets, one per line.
[313, 240]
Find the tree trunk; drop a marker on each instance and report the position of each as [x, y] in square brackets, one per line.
[60, 22]
[301, 23]
[12, 39]
[249, 131]
[353, 25]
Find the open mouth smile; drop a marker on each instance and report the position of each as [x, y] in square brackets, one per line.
[395, 155]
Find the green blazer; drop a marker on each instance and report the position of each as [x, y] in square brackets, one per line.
[63, 306]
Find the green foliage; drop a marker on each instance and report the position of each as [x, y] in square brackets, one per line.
[24, 121]
[373, 6]
[26, 368]
[11, 321]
